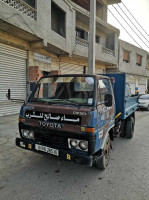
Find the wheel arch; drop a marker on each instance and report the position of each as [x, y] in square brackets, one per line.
[109, 131]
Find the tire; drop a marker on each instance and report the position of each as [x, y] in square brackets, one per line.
[130, 128]
[148, 108]
[123, 129]
[103, 161]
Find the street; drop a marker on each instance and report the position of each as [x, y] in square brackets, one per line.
[26, 175]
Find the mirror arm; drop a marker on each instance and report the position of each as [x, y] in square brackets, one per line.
[18, 100]
[14, 100]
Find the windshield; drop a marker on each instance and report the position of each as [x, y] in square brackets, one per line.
[67, 90]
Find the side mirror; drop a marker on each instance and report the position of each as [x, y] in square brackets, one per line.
[112, 79]
[8, 95]
[108, 100]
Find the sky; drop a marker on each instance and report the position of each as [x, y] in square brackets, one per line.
[140, 10]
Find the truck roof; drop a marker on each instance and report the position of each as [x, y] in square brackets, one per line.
[83, 75]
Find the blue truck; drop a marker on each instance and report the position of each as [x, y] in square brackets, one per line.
[75, 117]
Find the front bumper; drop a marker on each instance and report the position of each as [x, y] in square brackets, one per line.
[64, 154]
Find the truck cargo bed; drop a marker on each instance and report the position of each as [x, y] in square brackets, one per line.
[124, 105]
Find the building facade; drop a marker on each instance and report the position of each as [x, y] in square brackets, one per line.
[135, 63]
[37, 37]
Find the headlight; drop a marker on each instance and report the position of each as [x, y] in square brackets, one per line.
[74, 143]
[28, 134]
[31, 135]
[83, 145]
[25, 133]
[78, 144]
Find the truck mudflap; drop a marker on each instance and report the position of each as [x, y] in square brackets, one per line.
[41, 148]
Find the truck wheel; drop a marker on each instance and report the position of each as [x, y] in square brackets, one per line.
[130, 128]
[123, 129]
[104, 159]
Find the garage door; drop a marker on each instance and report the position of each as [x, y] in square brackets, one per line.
[13, 77]
[70, 68]
[132, 86]
[141, 89]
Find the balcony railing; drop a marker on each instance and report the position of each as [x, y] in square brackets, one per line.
[108, 51]
[82, 42]
[22, 7]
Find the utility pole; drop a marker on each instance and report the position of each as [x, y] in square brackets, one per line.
[92, 33]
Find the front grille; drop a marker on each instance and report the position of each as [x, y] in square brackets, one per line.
[52, 139]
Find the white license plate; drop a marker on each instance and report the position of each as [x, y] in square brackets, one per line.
[47, 149]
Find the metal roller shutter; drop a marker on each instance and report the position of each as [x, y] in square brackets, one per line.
[141, 89]
[70, 68]
[13, 77]
[132, 86]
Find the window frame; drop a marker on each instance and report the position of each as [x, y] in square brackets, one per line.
[99, 93]
[140, 58]
[65, 17]
[83, 32]
[126, 60]
[97, 39]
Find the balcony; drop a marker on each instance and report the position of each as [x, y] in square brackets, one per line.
[103, 54]
[22, 7]
[108, 51]
[82, 42]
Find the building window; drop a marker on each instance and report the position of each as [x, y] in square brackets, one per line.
[80, 33]
[126, 56]
[139, 60]
[30, 3]
[110, 42]
[58, 21]
[84, 70]
[97, 39]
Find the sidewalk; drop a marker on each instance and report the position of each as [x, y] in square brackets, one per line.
[8, 131]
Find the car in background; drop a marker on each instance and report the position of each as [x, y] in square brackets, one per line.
[144, 101]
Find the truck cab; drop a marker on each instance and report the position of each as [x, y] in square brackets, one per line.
[70, 116]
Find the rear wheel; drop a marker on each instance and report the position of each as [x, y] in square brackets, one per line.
[123, 129]
[130, 128]
[104, 159]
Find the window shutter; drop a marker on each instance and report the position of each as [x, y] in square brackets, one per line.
[139, 60]
[126, 56]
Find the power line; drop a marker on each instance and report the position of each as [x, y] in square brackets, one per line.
[132, 22]
[135, 18]
[125, 29]
[131, 27]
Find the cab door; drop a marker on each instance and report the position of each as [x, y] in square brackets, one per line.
[105, 114]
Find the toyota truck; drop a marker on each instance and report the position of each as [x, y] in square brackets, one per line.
[75, 117]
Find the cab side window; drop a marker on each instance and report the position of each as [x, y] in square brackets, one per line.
[104, 87]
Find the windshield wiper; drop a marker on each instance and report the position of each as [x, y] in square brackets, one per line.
[39, 100]
[65, 101]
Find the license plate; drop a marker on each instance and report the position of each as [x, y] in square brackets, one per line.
[46, 149]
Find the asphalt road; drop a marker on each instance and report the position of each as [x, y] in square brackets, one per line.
[26, 175]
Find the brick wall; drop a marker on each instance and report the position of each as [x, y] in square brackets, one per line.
[34, 73]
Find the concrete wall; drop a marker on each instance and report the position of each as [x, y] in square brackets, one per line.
[42, 26]
[100, 55]
[131, 67]
[136, 76]
[26, 31]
